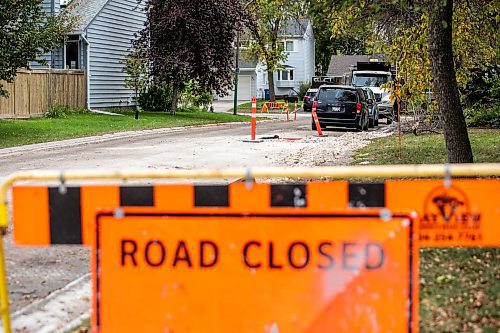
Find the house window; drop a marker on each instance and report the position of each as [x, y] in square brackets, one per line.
[287, 75]
[72, 55]
[288, 46]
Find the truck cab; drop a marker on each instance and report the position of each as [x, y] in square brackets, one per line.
[374, 74]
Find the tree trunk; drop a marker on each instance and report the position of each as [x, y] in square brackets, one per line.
[136, 105]
[270, 79]
[445, 82]
[175, 98]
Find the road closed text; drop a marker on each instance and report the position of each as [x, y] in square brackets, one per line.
[252, 254]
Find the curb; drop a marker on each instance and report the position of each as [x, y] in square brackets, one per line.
[58, 312]
[69, 143]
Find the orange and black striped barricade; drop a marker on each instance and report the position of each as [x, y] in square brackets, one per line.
[190, 243]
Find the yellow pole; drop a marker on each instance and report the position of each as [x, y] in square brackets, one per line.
[4, 292]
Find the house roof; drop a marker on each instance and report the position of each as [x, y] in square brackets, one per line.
[295, 27]
[339, 64]
[86, 11]
[245, 62]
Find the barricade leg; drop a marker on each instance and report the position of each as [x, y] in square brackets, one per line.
[4, 293]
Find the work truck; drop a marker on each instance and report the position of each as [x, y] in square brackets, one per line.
[374, 74]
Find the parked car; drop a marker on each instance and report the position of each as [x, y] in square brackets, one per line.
[386, 109]
[373, 108]
[308, 99]
[345, 106]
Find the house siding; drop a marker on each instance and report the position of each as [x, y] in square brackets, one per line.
[110, 35]
[50, 57]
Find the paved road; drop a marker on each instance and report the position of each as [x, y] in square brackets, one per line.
[35, 272]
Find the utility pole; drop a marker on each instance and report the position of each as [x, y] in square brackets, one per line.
[236, 74]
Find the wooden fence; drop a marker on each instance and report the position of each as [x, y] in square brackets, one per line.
[33, 92]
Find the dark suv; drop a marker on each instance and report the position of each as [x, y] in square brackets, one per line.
[309, 98]
[342, 106]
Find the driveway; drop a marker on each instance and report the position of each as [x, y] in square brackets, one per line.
[224, 106]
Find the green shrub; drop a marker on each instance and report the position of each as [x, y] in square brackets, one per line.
[304, 87]
[193, 95]
[189, 108]
[156, 98]
[483, 115]
[61, 111]
[57, 112]
[494, 87]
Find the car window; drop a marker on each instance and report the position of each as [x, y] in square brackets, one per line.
[337, 95]
[367, 80]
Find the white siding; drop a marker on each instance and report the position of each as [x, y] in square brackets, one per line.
[110, 35]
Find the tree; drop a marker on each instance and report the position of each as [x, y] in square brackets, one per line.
[27, 32]
[327, 44]
[136, 66]
[191, 40]
[445, 82]
[269, 18]
[435, 43]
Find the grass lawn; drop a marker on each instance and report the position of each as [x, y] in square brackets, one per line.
[22, 132]
[428, 148]
[459, 287]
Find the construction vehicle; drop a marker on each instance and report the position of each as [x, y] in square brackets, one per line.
[375, 74]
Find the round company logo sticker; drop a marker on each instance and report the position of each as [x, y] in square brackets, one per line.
[448, 208]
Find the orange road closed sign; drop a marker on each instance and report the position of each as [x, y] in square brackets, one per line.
[273, 272]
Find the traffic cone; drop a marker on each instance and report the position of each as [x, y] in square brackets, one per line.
[254, 122]
[316, 121]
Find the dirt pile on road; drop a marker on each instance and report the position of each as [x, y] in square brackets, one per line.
[332, 150]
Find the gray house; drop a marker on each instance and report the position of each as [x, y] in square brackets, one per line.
[99, 43]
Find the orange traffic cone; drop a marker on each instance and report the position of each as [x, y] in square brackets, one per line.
[316, 121]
